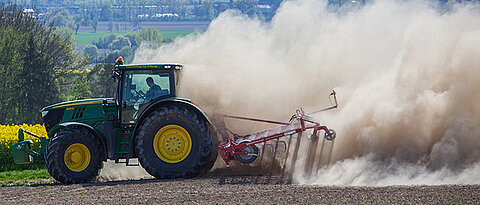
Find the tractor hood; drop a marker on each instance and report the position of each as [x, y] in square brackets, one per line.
[77, 103]
[86, 111]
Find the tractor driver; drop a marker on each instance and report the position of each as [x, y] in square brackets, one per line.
[154, 90]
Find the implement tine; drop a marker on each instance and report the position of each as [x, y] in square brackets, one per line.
[261, 159]
[286, 157]
[263, 152]
[273, 160]
[284, 146]
[268, 144]
[330, 152]
[294, 158]
[273, 148]
[320, 159]
[311, 152]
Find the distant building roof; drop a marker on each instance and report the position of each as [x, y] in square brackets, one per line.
[28, 11]
[260, 6]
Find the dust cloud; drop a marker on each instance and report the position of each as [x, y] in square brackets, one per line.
[114, 172]
[406, 74]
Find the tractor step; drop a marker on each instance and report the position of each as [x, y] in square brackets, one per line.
[126, 162]
[122, 154]
[123, 142]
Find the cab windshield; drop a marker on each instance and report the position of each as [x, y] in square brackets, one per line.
[141, 87]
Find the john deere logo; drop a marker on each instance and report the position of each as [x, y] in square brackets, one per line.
[19, 146]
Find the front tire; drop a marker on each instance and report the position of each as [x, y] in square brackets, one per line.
[173, 142]
[74, 156]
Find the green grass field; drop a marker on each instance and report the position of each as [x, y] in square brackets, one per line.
[174, 34]
[86, 38]
[25, 177]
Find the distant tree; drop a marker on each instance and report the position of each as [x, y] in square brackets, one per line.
[66, 33]
[149, 35]
[101, 82]
[179, 8]
[119, 43]
[11, 61]
[58, 17]
[91, 53]
[91, 11]
[77, 20]
[111, 57]
[106, 11]
[131, 36]
[80, 90]
[58, 21]
[94, 25]
[135, 23]
[106, 40]
[127, 53]
[110, 26]
[32, 58]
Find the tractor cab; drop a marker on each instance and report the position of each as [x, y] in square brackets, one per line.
[140, 86]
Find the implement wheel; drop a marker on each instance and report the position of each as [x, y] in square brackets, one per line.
[74, 156]
[174, 142]
[251, 156]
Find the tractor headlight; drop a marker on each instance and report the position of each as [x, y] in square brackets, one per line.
[44, 113]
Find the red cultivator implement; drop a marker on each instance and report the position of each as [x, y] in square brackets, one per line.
[244, 148]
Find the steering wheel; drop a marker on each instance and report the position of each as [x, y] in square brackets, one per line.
[141, 95]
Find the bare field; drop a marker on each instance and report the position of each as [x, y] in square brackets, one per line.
[234, 190]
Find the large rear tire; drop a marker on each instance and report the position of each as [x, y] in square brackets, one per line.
[173, 142]
[74, 156]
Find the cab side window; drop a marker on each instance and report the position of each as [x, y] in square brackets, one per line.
[141, 87]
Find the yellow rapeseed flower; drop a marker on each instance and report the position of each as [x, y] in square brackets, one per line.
[9, 133]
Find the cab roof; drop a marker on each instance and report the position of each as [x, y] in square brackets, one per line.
[151, 66]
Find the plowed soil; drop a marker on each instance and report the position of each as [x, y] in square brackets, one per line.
[233, 190]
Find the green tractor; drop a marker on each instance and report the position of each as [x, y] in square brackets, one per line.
[170, 136]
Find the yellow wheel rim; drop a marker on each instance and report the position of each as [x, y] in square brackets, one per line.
[172, 144]
[77, 157]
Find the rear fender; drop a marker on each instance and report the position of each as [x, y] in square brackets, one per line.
[183, 103]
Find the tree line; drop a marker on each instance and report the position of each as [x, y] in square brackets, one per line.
[39, 67]
[122, 45]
